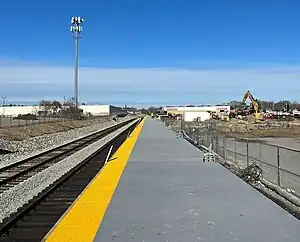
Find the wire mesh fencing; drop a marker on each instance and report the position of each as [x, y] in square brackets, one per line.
[27, 120]
[280, 165]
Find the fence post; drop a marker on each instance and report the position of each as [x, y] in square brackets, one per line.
[247, 143]
[217, 144]
[225, 148]
[234, 150]
[260, 153]
[181, 125]
[278, 166]
[207, 140]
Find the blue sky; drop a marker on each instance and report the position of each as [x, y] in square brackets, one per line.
[151, 52]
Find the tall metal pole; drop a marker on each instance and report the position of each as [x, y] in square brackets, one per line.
[76, 29]
[3, 103]
[76, 69]
[3, 114]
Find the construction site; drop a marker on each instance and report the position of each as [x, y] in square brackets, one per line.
[267, 141]
[247, 120]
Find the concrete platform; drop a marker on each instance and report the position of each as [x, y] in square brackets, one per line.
[167, 194]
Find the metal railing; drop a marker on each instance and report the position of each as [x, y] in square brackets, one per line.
[280, 164]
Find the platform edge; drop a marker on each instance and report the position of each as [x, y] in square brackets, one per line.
[72, 226]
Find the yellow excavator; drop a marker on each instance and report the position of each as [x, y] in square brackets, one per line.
[258, 115]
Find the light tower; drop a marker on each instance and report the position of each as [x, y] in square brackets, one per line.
[76, 29]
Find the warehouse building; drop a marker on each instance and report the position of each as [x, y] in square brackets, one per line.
[193, 116]
[100, 110]
[182, 109]
[95, 110]
[200, 113]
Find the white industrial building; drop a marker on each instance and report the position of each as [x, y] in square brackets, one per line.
[182, 109]
[100, 110]
[95, 110]
[201, 113]
[199, 116]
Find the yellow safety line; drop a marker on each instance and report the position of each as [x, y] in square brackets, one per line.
[82, 220]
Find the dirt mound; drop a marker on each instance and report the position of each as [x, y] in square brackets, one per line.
[269, 128]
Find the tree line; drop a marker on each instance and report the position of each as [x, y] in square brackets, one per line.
[57, 108]
[284, 105]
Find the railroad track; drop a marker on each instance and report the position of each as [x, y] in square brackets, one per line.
[18, 172]
[33, 221]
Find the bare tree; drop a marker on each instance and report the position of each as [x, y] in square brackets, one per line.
[45, 105]
[50, 106]
[69, 109]
[56, 106]
[278, 106]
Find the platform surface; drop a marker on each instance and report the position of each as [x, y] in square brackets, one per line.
[167, 194]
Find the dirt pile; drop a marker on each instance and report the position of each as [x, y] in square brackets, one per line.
[241, 127]
[268, 128]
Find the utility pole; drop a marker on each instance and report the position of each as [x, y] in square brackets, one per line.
[3, 103]
[3, 114]
[76, 29]
[182, 119]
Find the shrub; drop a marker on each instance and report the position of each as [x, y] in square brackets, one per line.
[26, 117]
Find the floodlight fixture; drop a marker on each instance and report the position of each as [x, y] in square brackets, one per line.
[77, 20]
[76, 24]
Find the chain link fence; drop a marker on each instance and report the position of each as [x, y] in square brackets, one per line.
[27, 120]
[280, 165]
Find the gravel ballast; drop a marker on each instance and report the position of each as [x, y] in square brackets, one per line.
[29, 147]
[20, 194]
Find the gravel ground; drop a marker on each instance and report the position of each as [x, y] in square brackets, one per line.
[31, 146]
[18, 195]
[27, 132]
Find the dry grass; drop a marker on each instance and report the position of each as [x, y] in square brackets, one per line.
[21, 133]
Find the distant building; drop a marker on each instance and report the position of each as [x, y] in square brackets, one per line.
[199, 116]
[181, 110]
[200, 113]
[95, 110]
[100, 110]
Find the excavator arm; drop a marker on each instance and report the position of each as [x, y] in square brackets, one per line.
[254, 103]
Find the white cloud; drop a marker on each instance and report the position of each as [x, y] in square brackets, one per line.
[31, 81]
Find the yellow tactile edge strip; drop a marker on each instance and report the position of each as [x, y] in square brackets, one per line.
[82, 220]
